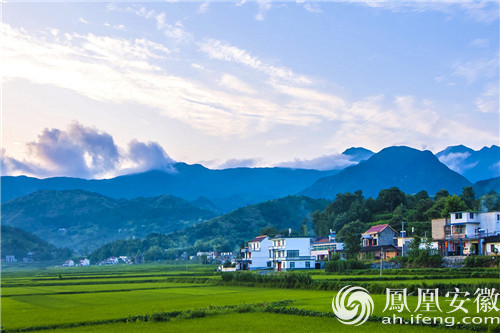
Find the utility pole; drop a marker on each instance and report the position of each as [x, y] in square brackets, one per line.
[381, 260]
[403, 235]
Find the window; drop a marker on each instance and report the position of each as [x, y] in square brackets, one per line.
[498, 217]
[292, 253]
[492, 249]
[268, 264]
[308, 264]
[471, 215]
[292, 265]
[458, 216]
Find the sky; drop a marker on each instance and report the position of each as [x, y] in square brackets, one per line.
[98, 89]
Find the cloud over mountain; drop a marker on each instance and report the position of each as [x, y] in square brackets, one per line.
[85, 152]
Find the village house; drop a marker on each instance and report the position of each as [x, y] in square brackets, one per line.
[85, 262]
[256, 254]
[225, 256]
[379, 242]
[492, 245]
[466, 233]
[291, 253]
[69, 263]
[10, 258]
[324, 247]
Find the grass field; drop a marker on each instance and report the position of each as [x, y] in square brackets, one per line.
[159, 298]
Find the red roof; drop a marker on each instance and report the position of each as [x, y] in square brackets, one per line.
[378, 228]
[323, 240]
[258, 239]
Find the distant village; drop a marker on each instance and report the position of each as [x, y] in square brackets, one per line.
[460, 234]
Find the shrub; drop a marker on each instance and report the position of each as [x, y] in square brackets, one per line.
[481, 261]
[343, 266]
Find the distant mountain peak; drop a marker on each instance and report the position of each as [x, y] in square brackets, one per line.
[410, 169]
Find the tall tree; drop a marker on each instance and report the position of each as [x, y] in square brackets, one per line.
[453, 204]
[468, 196]
[391, 198]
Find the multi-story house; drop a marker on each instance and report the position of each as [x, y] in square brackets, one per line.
[379, 242]
[291, 253]
[256, 254]
[324, 247]
[466, 233]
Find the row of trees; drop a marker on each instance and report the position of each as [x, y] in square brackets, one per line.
[351, 214]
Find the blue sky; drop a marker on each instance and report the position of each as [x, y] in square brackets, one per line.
[98, 89]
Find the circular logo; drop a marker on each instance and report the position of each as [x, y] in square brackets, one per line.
[352, 305]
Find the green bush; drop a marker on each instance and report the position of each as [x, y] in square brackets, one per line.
[481, 261]
[343, 266]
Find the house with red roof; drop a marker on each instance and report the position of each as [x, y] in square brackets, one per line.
[379, 242]
[324, 247]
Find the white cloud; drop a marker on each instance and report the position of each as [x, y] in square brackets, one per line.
[312, 8]
[483, 11]
[120, 27]
[82, 20]
[456, 161]
[477, 69]
[264, 7]
[480, 42]
[488, 101]
[239, 163]
[118, 71]
[232, 82]
[330, 162]
[85, 152]
[216, 49]
[204, 7]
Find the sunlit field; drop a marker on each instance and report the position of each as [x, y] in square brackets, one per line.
[161, 298]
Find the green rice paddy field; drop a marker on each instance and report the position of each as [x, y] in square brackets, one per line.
[164, 298]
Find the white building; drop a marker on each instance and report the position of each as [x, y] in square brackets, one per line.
[323, 248]
[10, 258]
[464, 233]
[256, 254]
[69, 263]
[85, 262]
[291, 253]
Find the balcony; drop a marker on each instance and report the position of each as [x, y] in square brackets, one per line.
[293, 258]
[281, 247]
[470, 235]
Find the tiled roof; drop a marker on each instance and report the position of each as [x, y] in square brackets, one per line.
[377, 228]
[322, 240]
[258, 239]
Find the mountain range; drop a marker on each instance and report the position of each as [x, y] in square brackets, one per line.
[78, 219]
[475, 165]
[409, 169]
[221, 191]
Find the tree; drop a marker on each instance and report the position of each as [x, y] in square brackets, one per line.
[350, 234]
[414, 246]
[436, 210]
[441, 194]
[391, 198]
[468, 196]
[153, 253]
[303, 229]
[453, 204]
[490, 201]
[269, 231]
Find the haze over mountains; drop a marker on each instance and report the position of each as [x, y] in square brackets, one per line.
[79, 213]
[410, 169]
[473, 165]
